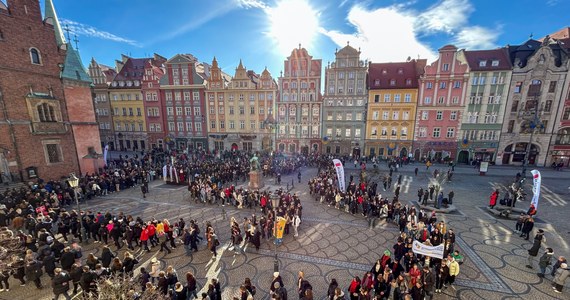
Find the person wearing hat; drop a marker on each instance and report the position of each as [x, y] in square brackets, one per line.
[561, 276]
[154, 269]
[533, 251]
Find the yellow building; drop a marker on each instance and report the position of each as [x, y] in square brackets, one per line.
[391, 110]
[127, 105]
[237, 108]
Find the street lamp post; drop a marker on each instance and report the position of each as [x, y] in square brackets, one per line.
[74, 183]
[275, 204]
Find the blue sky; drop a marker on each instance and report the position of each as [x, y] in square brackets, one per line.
[263, 32]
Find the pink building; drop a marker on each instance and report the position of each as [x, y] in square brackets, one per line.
[440, 103]
[153, 104]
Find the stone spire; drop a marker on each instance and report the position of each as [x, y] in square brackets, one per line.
[51, 18]
[240, 66]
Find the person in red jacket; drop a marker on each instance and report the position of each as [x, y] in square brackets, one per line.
[493, 199]
[144, 237]
[152, 234]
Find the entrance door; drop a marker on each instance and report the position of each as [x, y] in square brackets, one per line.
[356, 152]
[305, 150]
[463, 157]
[404, 152]
[417, 155]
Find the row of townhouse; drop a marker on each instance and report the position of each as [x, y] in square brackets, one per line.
[489, 105]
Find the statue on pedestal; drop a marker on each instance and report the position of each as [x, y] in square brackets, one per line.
[254, 173]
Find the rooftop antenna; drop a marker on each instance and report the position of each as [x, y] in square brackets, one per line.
[76, 42]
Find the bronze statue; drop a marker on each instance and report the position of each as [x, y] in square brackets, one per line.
[254, 163]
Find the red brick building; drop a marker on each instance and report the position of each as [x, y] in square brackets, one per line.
[36, 139]
[153, 103]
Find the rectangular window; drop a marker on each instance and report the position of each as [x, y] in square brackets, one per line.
[357, 132]
[518, 87]
[450, 132]
[222, 124]
[397, 98]
[53, 153]
[455, 100]
[425, 115]
[515, 106]
[179, 111]
[441, 100]
[385, 115]
[358, 116]
[395, 115]
[196, 96]
[252, 110]
[186, 96]
[198, 126]
[453, 115]
[427, 100]
[386, 97]
[376, 98]
[408, 98]
[566, 115]
[241, 124]
[423, 132]
[552, 87]
[139, 111]
[197, 111]
[180, 126]
[171, 126]
[445, 67]
[457, 84]
[436, 132]
[177, 96]
[442, 85]
[347, 132]
[406, 115]
[375, 115]
[169, 96]
[429, 85]
[439, 115]
[213, 124]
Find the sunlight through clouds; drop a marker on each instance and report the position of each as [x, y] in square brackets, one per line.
[292, 22]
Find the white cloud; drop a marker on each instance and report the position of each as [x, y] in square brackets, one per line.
[90, 31]
[552, 2]
[445, 16]
[391, 33]
[251, 4]
[383, 34]
[476, 37]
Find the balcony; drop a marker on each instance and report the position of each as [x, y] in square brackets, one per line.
[49, 128]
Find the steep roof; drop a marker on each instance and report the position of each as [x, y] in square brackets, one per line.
[51, 18]
[348, 51]
[73, 68]
[499, 56]
[383, 75]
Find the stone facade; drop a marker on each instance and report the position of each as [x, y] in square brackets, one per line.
[440, 107]
[483, 115]
[184, 108]
[102, 76]
[540, 70]
[344, 104]
[238, 107]
[35, 136]
[299, 106]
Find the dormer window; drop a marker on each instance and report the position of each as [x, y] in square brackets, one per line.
[121, 83]
[482, 63]
[137, 83]
[408, 81]
[35, 56]
[495, 63]
[114, 83]
[129, 83]
[377, 82]
[392, 82]
[384, 71]
[400, 71]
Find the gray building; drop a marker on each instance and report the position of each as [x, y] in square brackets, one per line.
[344, 103]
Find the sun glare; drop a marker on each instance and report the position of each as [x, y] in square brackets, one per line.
[292, 22]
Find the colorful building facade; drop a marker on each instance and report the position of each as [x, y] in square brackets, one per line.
[536, 97]
[152, 98]
[299, 106]
[392, 101]
[440, 107]
[344, 104]
[483, 115]
[182, 89]
[238, 108]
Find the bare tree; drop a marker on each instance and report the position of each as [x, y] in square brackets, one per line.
[11, 247]
[123, 288]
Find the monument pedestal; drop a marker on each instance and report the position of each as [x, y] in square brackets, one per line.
[255, 180]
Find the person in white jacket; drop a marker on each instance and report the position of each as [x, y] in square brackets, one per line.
[296, 223]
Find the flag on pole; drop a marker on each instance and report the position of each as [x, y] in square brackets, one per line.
[536, 180]
[339, 174]
[105, 151]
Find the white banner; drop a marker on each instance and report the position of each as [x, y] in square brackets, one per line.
[105, 153]
[431, 251]
[339, 174]
[536, 179]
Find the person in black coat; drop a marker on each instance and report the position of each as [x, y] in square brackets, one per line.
[533, 251]
[106, 257]
[34, 272]
[49, 264]
[428, 278]
[162, 285]
[129, 263]
[60, 284]
[88, 281]
[528, 225]
[67, 259]
[76, 272]
[20, 270]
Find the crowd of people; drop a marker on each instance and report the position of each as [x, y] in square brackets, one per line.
[51, 235]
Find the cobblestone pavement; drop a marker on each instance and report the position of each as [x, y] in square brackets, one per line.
[335, 244]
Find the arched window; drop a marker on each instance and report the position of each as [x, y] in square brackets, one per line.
[46, 113]
[35, 56]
